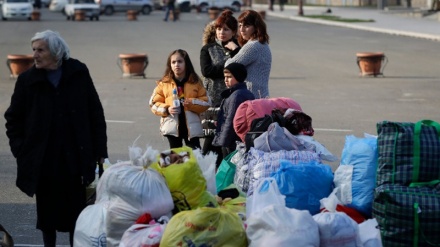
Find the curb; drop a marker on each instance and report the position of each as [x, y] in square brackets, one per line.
[350, 25]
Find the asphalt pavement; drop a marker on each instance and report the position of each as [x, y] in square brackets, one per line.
[395, 21]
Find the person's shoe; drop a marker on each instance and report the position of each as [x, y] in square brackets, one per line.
[165, 20]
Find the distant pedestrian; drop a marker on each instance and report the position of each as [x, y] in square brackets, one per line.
[57, 133]
[271, 3]
[170, 8]
[255, 53]
[282, 3]
[180, 123]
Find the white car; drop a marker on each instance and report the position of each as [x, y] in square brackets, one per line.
[108, 7]
[204, 5]
[89, 7]
[17, 9]
[57, 5]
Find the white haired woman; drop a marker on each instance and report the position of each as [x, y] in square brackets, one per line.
[57, 133]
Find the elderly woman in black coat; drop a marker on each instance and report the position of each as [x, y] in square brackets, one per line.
[57, 133]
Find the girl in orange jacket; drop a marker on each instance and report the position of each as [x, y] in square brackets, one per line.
[180, 123]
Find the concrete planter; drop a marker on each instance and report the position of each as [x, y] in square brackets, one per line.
[17, 64]
[35, 15]
[80, 15]
[133, 64]
[213, 13]
[371, 63]
[132, 15]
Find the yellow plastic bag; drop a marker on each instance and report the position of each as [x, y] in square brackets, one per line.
[186, 183]
[213, 227]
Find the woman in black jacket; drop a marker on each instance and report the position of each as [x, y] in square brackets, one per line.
[57, 132]
[220, 43]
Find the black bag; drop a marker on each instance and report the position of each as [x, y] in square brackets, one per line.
[260, 125]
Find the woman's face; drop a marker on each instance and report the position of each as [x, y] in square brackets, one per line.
[224, 33]
[42, 57]
[246, 31]
[178, 65]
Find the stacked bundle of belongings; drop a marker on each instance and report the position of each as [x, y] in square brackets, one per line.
[272, 130]
[161, 198]
[407, 197]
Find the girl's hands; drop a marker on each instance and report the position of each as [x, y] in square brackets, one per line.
[187, 102]
[174, 110]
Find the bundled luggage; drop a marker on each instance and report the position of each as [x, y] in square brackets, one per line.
[407, 197]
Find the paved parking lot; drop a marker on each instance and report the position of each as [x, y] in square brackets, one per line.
[313, 64]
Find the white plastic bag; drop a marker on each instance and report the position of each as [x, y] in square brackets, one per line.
[266, 194]
[207, 165]
[337, 230]
[370, 233]
[279, 226]
[90, 226]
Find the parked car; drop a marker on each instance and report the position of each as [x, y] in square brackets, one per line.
[108, 7]
[90, 8]
[204, 5]
[16, 9]
[57, 5]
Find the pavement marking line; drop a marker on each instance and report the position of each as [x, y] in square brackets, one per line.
[119, 121]
[334, 130]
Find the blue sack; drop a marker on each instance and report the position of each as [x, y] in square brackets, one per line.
[304, 184]
[361, 153]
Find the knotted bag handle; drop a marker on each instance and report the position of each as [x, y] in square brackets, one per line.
[416, 158]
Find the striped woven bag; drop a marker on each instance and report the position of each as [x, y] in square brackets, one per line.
[408, 216]
[407, 197]
[408, 152]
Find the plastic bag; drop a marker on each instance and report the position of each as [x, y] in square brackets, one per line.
[361, 155]
[304, 184]
[266, 194]
[225, 172]
[186, 183]
[337, 230]
[90, 226]
[205, 227]
[207, 165]
[279, 226]
[370, 233]
[145, 235]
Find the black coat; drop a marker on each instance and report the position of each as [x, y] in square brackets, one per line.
[29, 118]
[225, 135]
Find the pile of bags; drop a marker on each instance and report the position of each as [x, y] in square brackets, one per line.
[275, 189]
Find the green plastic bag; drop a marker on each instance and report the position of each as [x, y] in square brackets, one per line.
[205, 226]
[225, 173]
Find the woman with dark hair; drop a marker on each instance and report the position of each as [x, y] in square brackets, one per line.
[220, 43]
[57, 133]
[255, 53]
[180, 122]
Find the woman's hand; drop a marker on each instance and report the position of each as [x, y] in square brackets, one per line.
[231, 46]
